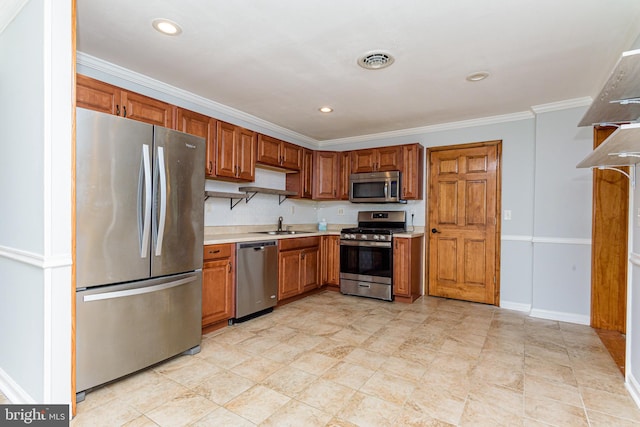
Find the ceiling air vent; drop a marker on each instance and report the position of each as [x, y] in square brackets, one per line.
[375, 60]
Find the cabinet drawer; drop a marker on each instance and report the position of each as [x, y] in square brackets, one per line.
[218, 251]
[298, 243]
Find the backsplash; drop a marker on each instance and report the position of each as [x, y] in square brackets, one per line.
[263, 209]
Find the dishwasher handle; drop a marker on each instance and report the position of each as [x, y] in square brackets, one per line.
[256, 245]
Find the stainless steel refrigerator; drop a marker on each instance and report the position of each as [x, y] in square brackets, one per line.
[139, 237]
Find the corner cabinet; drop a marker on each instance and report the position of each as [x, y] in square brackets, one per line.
[302, 182]
[298, 266]
[407, 268]
[218, 285]
[99, 96]
[235, 153]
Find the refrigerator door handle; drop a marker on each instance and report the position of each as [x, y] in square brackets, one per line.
[163, 203]
[146, 227]
[137, 291]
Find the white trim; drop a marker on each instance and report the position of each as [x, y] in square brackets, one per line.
[560, 316]
[516, 238]
[34, 259]
[634, 259]
[517, 306]
[88, 61]
[561, 241]
[9, 9]
[562, 105]
[522, 115]
[633, 386]
[13, 391]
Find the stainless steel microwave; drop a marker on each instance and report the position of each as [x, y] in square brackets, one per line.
[375, 187]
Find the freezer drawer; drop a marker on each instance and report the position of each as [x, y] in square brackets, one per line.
[121, 329]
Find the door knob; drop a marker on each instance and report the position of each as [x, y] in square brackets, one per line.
[434, 230]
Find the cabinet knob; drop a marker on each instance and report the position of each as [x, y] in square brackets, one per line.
[229, 267]
[124, 111]
[117, 110]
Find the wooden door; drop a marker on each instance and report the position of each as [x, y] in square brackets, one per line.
[609, 251]
[326, 175]
[464, 229]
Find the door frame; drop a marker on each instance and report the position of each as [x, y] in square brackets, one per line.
[429, 150]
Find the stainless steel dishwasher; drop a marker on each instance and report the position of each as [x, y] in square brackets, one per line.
[257, 279]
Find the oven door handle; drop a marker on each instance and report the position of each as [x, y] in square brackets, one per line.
[365, 244]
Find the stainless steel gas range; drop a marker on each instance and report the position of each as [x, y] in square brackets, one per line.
[366, 254]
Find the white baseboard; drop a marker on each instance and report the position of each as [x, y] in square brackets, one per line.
[561, 316]
[517, 306]
[13, 391]
[633, 386]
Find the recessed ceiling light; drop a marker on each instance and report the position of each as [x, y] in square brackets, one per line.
[476, 77]
[325, 109]
[375, 60]
[166, 26]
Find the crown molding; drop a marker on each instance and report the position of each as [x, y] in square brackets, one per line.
[9, 9]
[98, 64]
[562, 105]
[522, 115]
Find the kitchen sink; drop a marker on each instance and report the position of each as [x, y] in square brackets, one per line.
[283, 232]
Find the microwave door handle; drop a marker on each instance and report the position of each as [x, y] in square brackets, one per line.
[386, 190]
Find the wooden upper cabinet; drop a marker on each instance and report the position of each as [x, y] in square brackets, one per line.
[144, 109]
[302, 182]
[376, 159]
[235, 150]
[412, 171]
[200, 125]
[326, 175]
[96, 95]
[345, 171]
[100, 96]
[279, 154]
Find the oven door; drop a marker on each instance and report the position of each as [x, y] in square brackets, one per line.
[366, 261]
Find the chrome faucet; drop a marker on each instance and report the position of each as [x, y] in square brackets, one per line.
[280, 223]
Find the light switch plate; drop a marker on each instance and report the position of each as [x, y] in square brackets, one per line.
[507, 215]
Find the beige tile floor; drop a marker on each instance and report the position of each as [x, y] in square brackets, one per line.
[335, 360]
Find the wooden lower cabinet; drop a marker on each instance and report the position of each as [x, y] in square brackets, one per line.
[331, 261]
[298, 266]
[407, 268]
[218, 284]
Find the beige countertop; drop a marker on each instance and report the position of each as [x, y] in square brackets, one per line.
[214, 236]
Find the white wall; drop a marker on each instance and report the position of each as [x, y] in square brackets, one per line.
[35, 186]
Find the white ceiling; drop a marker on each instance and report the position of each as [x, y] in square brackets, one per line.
[281, 60]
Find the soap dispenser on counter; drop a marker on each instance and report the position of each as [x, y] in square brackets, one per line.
[322, 225]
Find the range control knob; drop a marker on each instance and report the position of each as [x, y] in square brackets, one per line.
[376, 237]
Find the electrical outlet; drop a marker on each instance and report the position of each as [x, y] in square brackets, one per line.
[293, 210]
[340, 211]
[507, 215]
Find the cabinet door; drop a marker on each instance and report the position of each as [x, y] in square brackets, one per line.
[388, 158]
[345, 171]
[412, 171]
[268, 151]
[148, 110]
[363, 161]
[310, 268]
[291, 156]
[246, 155]
[200, 125]
[331, 263]
[289, 274]
[326, 175]
[95, 95]
[225, 150]
[217, 291]
[307, 174]
[401, 267]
